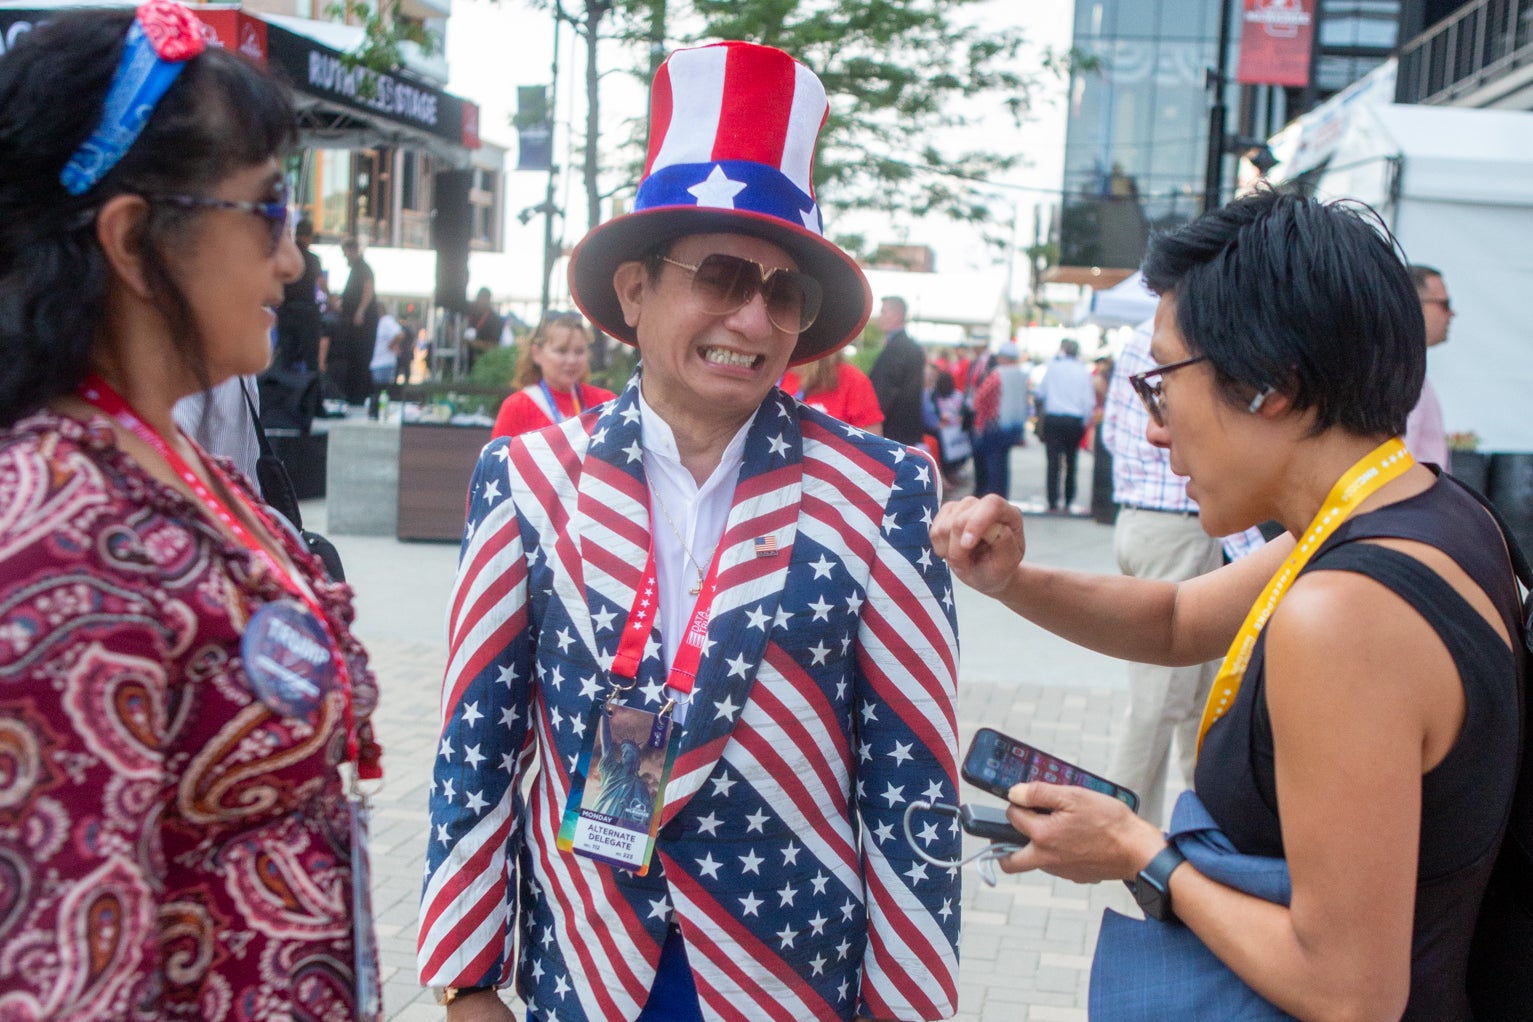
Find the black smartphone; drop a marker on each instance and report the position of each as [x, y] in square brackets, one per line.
[995, 762]
[989, 823]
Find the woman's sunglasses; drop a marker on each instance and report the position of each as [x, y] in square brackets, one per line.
[281, 219]
[723, 284]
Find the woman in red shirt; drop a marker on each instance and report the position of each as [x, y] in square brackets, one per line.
[551, 373]
[839, 389]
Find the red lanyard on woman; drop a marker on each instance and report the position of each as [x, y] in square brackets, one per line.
[101, 395]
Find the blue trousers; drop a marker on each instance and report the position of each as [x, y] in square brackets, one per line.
[673, 998]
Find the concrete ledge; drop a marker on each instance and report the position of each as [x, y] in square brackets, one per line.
[362, 488]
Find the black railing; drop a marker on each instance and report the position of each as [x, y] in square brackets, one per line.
[1455, 57]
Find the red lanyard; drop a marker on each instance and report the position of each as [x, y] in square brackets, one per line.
[99, 393]
[641, 619]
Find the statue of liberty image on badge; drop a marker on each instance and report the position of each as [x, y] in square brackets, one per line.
[618, 788]
[288, 659]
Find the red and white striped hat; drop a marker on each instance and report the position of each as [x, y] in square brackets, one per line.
[731, 150]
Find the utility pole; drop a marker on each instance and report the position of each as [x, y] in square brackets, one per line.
[553, 169]
[1213, 183]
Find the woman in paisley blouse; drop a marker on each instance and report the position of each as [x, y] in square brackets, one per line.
[181, 701]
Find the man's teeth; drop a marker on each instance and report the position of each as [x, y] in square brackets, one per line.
[720, 356]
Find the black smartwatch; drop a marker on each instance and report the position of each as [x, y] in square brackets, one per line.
[1152, 888]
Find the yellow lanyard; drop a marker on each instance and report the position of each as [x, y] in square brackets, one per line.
[1388, 461]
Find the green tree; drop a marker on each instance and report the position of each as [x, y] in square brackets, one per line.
[900, 75]
[384, 34]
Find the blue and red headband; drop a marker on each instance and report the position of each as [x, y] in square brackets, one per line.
[163, 36]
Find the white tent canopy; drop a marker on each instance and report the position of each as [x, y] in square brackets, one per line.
[1126, 303]
[947, 308]
[1456, 188]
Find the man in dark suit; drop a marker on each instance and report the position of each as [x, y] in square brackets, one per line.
[897, 375]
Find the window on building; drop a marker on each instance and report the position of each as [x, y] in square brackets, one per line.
[416, 197]
[484, 206]
[328, 202]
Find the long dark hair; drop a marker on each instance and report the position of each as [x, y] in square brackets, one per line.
[222, 114]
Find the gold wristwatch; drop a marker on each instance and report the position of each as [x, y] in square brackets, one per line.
[446, 995]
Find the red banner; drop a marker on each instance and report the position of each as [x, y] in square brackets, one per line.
[1275, 42]
[235, 30]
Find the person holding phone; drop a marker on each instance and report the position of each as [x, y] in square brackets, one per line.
[1364, 725]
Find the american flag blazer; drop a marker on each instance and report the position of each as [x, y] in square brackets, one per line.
[824, 704]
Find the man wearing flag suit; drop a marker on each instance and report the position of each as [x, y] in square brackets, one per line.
[704, 539]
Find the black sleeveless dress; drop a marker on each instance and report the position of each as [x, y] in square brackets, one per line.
[1466, 797]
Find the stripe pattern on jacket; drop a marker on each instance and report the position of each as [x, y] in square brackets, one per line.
[824, 705]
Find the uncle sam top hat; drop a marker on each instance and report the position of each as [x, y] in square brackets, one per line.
[731, 148]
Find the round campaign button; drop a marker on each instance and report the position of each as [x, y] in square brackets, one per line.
[288, 659]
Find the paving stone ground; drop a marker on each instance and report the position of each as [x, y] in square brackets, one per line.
[1026, 944]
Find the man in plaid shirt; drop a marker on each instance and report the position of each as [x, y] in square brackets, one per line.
[1158, 536]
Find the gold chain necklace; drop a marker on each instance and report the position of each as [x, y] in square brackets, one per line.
[684, 548]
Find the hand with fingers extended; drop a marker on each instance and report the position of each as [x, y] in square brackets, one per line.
[982, 541]
[1078, 834]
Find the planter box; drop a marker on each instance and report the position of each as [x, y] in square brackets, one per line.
[436, 463]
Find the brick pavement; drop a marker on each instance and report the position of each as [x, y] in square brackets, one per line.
[1026, 944]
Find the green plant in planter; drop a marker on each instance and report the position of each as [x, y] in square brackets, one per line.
[494, 368]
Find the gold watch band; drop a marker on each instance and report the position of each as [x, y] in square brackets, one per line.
[446, 995]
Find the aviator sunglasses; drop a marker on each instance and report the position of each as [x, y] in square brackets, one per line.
[723, 284]
[281, 219]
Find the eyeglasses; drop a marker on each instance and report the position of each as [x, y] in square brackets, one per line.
[723, 284]
[281, 219]
[1151, 393]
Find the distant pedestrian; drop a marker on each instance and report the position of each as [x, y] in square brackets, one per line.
[1000, 414]
[942, 419]
[484, 327]
[388, 341]
[839, 389]
[358, 328]
[898, 375]
[1425, 433]
[298, 322]
[1066, 400]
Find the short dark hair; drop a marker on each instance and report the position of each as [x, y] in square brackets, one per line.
[1420, 274]
[1308, 298]
[221, 114]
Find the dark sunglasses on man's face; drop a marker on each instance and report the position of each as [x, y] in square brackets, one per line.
[281, 219]
[723, 284]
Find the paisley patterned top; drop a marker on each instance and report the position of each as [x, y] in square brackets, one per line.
[169, 847]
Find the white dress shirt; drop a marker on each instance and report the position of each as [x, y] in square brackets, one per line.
[699, 514]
